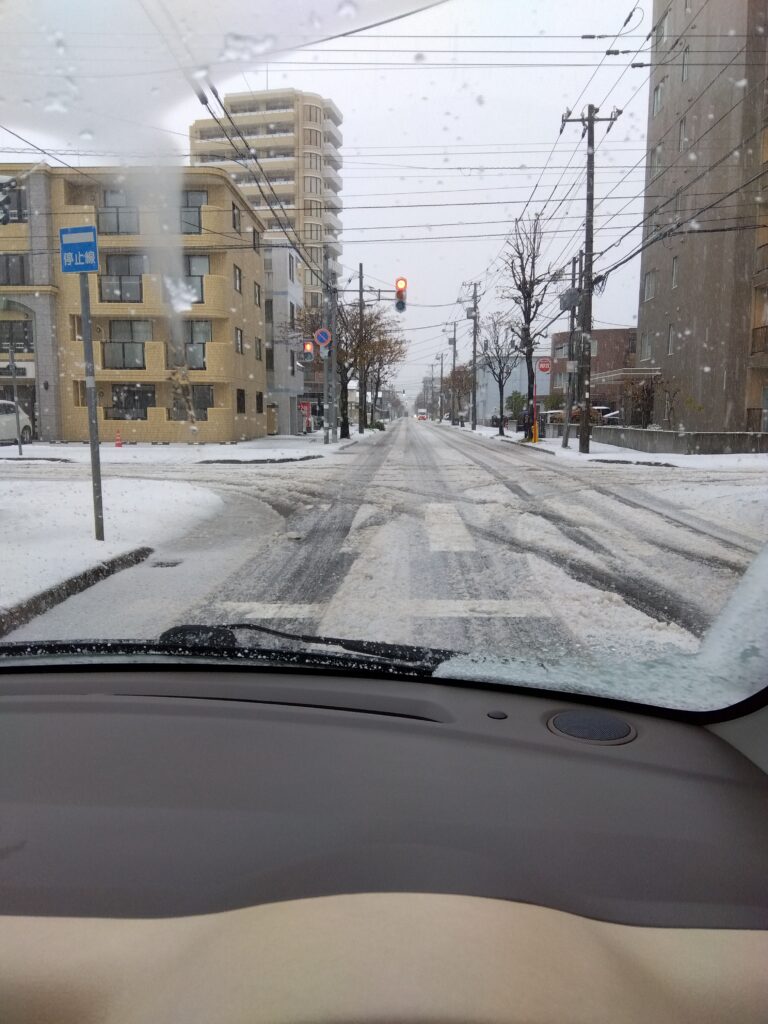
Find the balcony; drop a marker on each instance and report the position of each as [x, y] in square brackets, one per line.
[332, 201]
[331, 155]
[333, 245]
[330, 220]
[331, 178]
[759, 340]
[331, 133]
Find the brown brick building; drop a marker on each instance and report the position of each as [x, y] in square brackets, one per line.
[612, 364]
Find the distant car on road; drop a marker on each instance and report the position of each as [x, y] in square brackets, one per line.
[421, 414]
[8, 424]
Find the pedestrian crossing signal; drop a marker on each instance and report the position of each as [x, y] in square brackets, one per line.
[401, 284]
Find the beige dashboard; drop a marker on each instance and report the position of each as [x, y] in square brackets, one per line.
[395, 957]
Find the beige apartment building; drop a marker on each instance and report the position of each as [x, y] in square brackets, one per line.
[296, 139]
[176, 307]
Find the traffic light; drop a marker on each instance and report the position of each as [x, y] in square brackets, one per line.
[400, 287]
[308, 351]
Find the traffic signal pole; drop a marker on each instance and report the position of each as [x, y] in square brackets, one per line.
[474, 356]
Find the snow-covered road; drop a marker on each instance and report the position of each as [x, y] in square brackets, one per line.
[428, 535]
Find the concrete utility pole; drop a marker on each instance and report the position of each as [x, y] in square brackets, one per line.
[361, 384]
[585, 303]
[571, 353]
[326, 317]
[334, 389]
[441, 387]
[452, 341]
[474, 355]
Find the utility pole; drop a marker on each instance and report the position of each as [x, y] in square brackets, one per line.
[441, 387]
[474, 355]
[452, 341]
[361, 384]
[571, 355]
[334, 365]
[324, 355]
[588, 122]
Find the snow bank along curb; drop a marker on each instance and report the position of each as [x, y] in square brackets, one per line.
[21, 613]
[528, 445]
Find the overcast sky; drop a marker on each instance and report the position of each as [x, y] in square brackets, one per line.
[429, 123]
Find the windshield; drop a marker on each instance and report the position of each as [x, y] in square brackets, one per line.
[431, 326]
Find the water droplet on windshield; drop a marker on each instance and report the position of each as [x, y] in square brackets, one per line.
[240, 47]
[480, 100]
[419, 57]
[741, 84]
[347, 9]
[54, 104]
[86, 136]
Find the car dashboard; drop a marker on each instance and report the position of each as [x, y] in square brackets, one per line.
[197, 844]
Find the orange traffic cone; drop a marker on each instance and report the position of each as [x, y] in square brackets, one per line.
[118, 440]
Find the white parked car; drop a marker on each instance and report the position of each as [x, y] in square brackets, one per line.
[8, 424]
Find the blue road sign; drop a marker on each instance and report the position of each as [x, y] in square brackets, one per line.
[79, 250]
[323, 337]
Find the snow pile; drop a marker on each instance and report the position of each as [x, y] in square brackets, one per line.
[49, 534]
[599, 451]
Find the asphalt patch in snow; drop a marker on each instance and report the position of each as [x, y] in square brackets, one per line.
[634, 462]
[253, 462]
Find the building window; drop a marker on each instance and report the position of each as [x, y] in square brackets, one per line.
[313, 162]
[240, 402]
[686, 62]
[312, 185]
[312, 280]
[670, 339]
[291, 316]
[14, 206]
[256, 293]
[645, 345]
[14, 268]
[649, 285]
[674, 271]
[125, 348]
[313, 232]
[122, 281]
[268, 311]
[130, 401]
[17, 333]
[237, 278]
[79, 394]
[313, 208]
[313, 114]
[314, 300]
[197, 334]
[256, 239]
[656, 156]
[658, 97]
[190, 214]
[195, 269]
[682, 138]
[312, 137]
[201, 398]
[239, 340]
[662, 28]
[258, 348]
[117, 216]
[270, 356]
[293, 363]
[291, 267]
[632, 342]
[236, 218]
[259, 403]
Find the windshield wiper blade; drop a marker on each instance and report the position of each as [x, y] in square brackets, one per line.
[225, 636]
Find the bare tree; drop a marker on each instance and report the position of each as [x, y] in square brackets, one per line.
[374, 349]
[527, 290]
[501, 354]
[458, 382]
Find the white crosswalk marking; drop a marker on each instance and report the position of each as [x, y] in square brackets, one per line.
[446, 529]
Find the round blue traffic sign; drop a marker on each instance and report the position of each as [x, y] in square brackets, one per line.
[323, 337]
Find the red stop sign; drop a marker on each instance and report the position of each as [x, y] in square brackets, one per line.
[544, 365]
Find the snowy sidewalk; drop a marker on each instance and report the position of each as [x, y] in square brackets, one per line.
[282, 448]
[600, 452]
[49, 533]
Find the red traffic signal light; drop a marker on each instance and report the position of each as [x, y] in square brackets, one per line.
[401, 284]
[309, 348]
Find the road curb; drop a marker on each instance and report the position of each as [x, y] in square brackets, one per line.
[19, 614]
[528, 446]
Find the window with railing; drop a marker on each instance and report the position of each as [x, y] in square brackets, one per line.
[130, 401]
[125, 348]
[197, 334]
[14, 268]
[17, 333]
[195, 270]
[193, 400]
[13, 208]
[190, 214]
[122, 280]
[117, 216]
